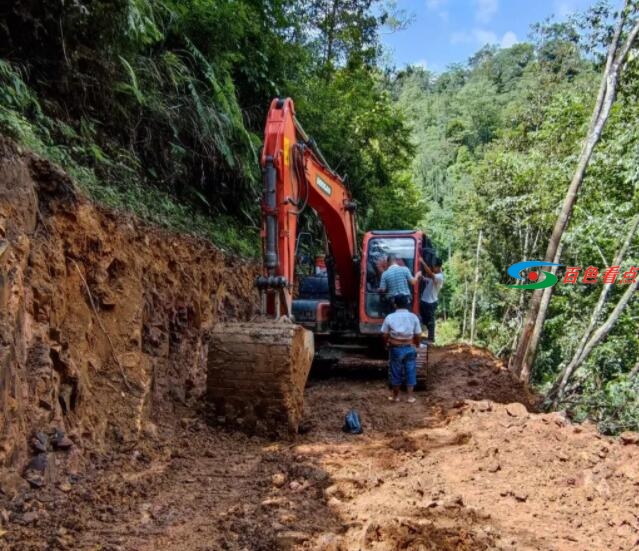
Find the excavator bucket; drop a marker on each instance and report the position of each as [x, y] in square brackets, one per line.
[257, 372]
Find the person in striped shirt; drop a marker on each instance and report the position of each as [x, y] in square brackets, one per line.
[397, 280]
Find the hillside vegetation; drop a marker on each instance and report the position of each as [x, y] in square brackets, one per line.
[158, 106]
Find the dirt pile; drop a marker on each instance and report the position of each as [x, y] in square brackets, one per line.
[472, 467]
[461, 469]
[101, 321]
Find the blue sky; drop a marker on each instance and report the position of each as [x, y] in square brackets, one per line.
[448, 31]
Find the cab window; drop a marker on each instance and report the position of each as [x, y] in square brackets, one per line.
[378, 304]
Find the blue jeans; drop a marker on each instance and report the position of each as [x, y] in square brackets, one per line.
[402, 361]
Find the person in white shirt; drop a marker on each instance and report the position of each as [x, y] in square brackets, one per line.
[401, 331]
[433, 281]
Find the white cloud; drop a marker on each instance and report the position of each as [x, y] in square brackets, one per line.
[486, 10]
[485, 37]
[421, 63]
[480, 37]
[461, 37]
[436, 6]
[458, 37]
[509, 39]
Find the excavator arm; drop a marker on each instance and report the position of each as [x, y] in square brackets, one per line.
[297, 176]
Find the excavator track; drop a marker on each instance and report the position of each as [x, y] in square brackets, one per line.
[348, 358]
[256, 376]
[422, 367]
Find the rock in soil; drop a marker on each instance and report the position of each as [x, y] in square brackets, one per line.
[629, 437]
[60, 441]
[35, 470]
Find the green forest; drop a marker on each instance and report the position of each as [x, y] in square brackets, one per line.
[157, 107]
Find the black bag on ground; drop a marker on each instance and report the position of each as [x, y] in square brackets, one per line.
[352, 423]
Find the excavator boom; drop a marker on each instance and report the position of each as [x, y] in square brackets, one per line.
[297, 176]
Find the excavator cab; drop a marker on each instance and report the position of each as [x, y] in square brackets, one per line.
[312, 306]
[373, 304]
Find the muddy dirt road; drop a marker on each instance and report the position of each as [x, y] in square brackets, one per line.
[466, 467]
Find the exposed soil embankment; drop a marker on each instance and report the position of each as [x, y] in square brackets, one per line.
[101, 320]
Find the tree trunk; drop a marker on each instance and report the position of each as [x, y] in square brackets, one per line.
[474, 304]
[464, 323]
[330, 37]
[634, 371]
[537, 329]
[561, 381]
[595, 339]
[525, 354]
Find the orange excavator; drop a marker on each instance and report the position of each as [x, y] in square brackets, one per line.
[340, 303]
